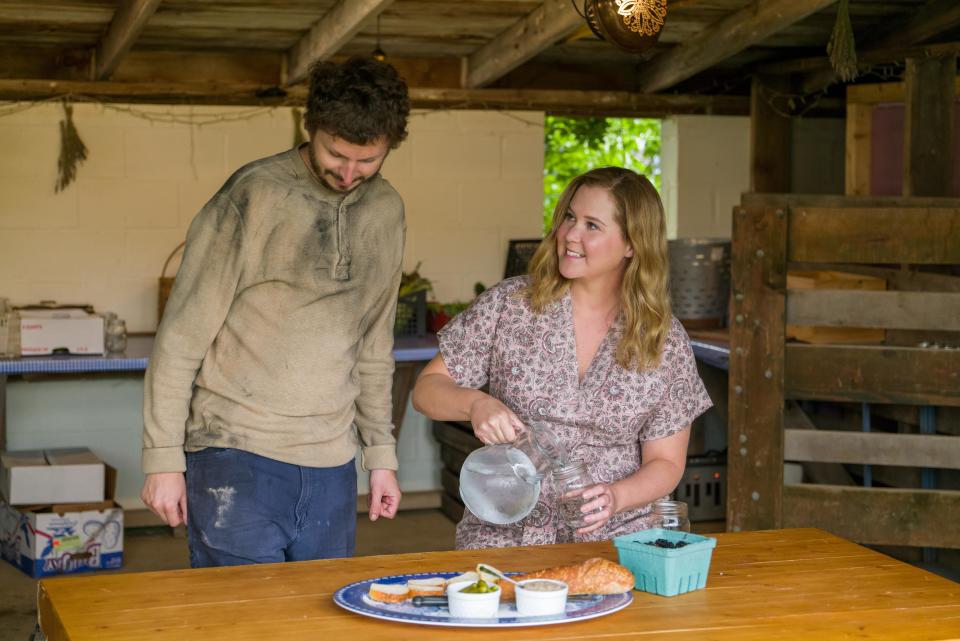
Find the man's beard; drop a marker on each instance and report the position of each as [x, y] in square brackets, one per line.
[322, 173]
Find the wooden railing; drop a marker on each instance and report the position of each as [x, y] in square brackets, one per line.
[879, 236]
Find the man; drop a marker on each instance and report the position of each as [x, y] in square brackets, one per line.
[274, 352]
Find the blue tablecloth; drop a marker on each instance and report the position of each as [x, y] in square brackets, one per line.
[138, 353]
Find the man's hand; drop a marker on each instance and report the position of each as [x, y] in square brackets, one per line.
[384, 498]
[165, 493]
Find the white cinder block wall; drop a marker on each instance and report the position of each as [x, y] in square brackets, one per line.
[706, 166]
[471, 182]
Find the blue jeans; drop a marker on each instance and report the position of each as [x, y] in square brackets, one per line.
[244, 508]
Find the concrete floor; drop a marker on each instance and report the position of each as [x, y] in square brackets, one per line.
[155, 548]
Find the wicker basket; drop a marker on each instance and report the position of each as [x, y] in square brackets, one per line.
[166, 283]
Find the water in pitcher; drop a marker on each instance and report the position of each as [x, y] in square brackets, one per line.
[499, 484]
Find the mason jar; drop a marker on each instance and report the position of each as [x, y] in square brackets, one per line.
[116, 336]
[571, 482]
[670, 515]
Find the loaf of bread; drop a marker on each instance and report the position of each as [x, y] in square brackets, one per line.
[594, 576]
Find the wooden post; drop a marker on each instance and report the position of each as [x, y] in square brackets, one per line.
[928, 126]
[770, 135]
[755, 433]
[857, 159]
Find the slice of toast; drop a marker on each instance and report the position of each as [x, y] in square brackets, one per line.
[389, 592]
[432, 586]
[470, 576]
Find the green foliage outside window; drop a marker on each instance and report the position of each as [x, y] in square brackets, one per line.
[574, 145]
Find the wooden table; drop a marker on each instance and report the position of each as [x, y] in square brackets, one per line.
[784, 584]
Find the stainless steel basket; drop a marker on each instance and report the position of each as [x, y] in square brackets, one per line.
[700, 279]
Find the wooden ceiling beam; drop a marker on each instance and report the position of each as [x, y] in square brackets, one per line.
[228, 67]
[128, 21]
[866, 58]
[724, 38]
[549, 23]
[46, 62]
[934, 18]
[575, 102]
[328, 35]
[598, 103]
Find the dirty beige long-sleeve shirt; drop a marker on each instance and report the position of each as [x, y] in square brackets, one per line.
[277, 338]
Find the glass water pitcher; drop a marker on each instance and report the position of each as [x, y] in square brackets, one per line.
[500, 483]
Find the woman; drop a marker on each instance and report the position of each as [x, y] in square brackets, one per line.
[587, 344]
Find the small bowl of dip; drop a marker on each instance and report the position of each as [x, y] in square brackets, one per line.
[465, 601]
[541, 597]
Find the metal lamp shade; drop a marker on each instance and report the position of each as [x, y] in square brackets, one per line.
[606, 23]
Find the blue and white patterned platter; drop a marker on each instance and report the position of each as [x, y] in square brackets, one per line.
[354, 598]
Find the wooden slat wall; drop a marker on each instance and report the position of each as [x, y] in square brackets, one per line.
[794, 420]
[877, 516]
[887, 310]
[773, 231]
[872, 448]
[874, 235]
[756, 368]
[875, 374]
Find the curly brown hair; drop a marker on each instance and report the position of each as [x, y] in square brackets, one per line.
[361, 100]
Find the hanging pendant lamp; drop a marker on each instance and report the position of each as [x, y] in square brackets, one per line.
[631, 25]
[378, 53]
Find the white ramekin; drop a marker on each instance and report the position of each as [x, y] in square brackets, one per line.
[472, 606]
[541, 603]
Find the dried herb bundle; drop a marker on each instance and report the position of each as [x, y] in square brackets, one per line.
[842, 48]
[72, 149]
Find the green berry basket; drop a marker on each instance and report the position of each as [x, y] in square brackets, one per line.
[662, 570]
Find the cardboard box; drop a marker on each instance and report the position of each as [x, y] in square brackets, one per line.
[35, 477]
[60, 331]
[64, 539]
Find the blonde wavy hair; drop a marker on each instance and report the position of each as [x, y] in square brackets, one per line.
[644, 293]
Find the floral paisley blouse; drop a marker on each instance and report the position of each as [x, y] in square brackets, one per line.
[529, 362]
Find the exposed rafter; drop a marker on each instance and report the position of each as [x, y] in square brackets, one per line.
[552, 21]
[611, 103]
[575, 102]
[329, 34]
[867, 58]
[128, 21]
[723, 39]
[934, 18]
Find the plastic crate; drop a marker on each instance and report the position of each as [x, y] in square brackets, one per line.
[665, 571]
[411, 315]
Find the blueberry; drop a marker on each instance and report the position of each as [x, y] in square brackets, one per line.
[669, 545]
